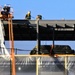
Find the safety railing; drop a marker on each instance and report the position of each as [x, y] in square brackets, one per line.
[40, 65]
[19, 51]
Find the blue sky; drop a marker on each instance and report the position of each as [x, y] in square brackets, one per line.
[49, 9]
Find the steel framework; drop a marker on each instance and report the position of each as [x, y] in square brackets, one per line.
[23, 29]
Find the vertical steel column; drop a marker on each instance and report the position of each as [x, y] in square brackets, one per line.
[53, 36]
[66, 66]
[37, 69]
[38, 38]
[51, 52]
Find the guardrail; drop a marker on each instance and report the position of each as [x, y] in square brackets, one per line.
[40, 65]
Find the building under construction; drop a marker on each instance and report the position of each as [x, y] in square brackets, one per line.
[38, 63]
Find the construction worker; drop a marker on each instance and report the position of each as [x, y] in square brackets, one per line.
[39, 17]
[28, 16]
[5, 10]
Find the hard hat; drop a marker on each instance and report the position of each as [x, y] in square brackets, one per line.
[29, 12]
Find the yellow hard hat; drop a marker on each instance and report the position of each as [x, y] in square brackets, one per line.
[29, 12]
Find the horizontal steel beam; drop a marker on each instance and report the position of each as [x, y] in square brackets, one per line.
[44, 23]
[26, 29]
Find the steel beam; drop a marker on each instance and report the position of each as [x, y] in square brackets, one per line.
[23, 29]
[43, 23]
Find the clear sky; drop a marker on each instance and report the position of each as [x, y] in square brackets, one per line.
[49, 9]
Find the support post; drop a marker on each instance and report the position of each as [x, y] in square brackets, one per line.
[37, 61]
[51, 52]
[38, 38]
[66, 66]
[11, 38]
[53, 36]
